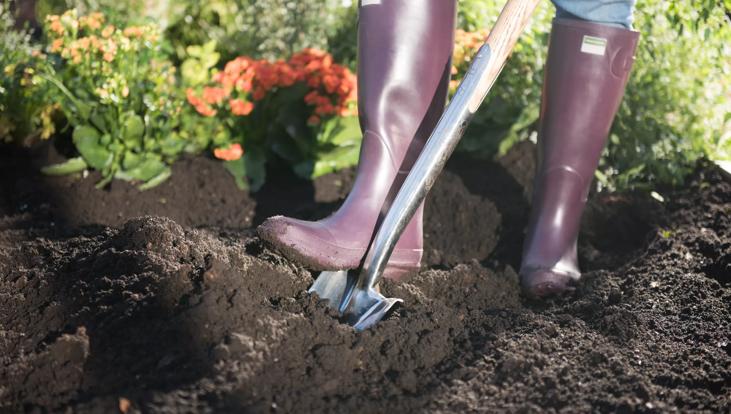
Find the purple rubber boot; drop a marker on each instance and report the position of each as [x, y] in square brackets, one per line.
[586, 74]
[404, 63]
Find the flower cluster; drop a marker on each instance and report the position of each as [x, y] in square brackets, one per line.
[95, 50]
[85, 39]
[466, 45]
[117, 88]
[243, 81]
[334, 87]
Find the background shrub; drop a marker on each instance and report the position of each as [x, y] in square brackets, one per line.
[120, 95]
[24, 114]
[677, 105]
[270, 29]
[300, 111]
[678, 102]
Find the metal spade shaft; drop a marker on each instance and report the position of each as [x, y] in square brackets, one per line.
[424, 173]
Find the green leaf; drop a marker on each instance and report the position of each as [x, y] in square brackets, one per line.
[133, 129]
[131, 160]
[145, 167]
[157, 180]
[284, 146]
[87, 141]
[70, 166]
[334, 160]
[237, 169]
[340, 131]
[173, 144]
[249, 171]
[194, 72]
[255, 163]
[97, 120]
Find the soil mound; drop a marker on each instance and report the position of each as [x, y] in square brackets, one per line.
[160, 314]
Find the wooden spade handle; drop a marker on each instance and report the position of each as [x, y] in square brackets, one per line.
[502, 38]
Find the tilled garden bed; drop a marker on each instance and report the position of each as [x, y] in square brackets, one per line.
[165, 301]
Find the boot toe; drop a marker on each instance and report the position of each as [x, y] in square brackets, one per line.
[544, 283]
[307, 243]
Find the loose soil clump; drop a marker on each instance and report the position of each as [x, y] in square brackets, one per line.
[115, 301]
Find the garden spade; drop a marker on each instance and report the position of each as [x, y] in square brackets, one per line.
[354, 292]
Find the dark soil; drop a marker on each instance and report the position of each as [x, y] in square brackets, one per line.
[165, 301]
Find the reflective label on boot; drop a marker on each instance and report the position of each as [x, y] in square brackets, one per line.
[369, 2]
[594, 45]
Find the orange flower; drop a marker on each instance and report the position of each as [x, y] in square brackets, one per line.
[232, 153]
[287, 76]
[83, 43]
[313, 120]
[192, 99]
[236, 66]
[206, 110]
[331, 83]
[57, 45]
[312, 97]
[198, 104]
[259, 93]
[108, 56]
[313, 82]
[240, 107]
[244, 85]
[214, 95]
[134, 31]
[325, 109]
[108, 31]
[93, 21]
[56, 26]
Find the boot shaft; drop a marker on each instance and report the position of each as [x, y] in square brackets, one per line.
[586, 73]
[404, 62]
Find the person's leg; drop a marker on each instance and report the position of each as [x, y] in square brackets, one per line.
[586, 72]
[610, 12]
[404, 62]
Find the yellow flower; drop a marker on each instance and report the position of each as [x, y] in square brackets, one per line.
[47, 125]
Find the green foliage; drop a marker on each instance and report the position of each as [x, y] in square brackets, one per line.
[24, 114]
[676, 108]
[298, 112]
[199, 60]
[343, 43]
[119, 93]
[116, 11]
[271, 29]
[474, 15]
[511, 110]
